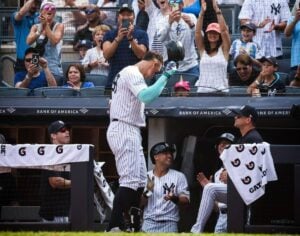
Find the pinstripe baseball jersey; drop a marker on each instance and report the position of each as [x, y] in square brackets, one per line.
[125, 106]
[158, 208]
[258, 10]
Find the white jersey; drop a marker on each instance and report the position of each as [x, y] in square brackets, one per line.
[158, 209]
[125, 106]
[155, 20]
[258, 10]
[181, 31]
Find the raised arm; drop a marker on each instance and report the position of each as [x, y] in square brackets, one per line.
[224, 30]
[199, 40]
[23, 10]
[290, 27]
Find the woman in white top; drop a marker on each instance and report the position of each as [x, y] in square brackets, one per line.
[214, 52]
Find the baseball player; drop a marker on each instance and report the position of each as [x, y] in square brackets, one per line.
[166, 189]
[129, 95]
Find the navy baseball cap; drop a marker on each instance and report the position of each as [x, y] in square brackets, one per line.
[226, 136]
[249, 26]
[247, 111]
[126, 7]
[85, 43]
[271, 60]
[55, 126]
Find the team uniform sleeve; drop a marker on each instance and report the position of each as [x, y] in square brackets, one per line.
[246, 11]
[148, 94]
[183, 186]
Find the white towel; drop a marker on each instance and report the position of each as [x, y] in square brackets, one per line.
[250, 167]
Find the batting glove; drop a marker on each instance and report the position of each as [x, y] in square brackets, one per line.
[170, 69]
[149, 187]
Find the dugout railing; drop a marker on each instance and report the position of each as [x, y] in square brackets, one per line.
[239, 216]
[81, 203]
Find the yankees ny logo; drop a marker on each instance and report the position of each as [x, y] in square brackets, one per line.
[275, 10]
[168, 189]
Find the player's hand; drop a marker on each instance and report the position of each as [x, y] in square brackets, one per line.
[202, 180]
[223, 176]
[170, 69]
[150, 183]
[170, 196]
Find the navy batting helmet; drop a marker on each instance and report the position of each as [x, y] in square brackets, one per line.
[161, 147]
[226, 136]
[175, 51]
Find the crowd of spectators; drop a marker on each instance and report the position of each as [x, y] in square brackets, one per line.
[109, 35]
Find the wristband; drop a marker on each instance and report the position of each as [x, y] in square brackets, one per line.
[147, 194]
[167, 74]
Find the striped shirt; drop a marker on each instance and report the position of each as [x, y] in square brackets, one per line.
[125, 106]
[158, 208]
[250, 47]
[258, 10]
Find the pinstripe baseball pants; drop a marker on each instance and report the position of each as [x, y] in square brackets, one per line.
[212, 192]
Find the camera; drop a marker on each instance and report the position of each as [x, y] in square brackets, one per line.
[35, 59]
[125, 23]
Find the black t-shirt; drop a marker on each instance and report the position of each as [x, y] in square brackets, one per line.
[252, 136]
[54, 202]
[235, 80]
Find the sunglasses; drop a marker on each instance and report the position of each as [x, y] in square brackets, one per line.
[49, 7]
[63, 130]
[28, 59]
[89, 11]
[242, 68]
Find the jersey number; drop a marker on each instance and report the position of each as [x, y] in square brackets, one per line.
[114, 83]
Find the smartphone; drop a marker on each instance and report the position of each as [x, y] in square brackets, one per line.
[175, 6]
[35, 59]
[125, 23]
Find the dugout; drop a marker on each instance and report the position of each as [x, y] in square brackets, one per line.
[186, 121]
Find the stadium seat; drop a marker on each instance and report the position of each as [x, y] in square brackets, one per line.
[98, 80]
[55, 92]
[7, 70]
[284, 77]
[14, 92]
[66, 64]
[292, 91]
[238, 91]
[284, 65]
[97, 91]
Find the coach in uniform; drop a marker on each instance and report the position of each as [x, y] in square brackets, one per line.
[129, 95]
[166, 189]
